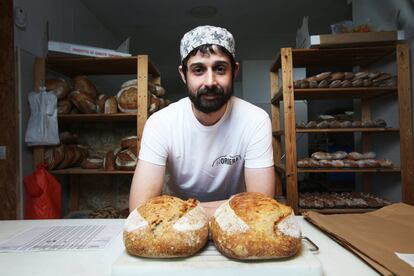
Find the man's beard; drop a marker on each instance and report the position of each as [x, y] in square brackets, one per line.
[208, 106]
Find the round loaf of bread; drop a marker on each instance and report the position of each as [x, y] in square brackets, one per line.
[254, 226]
[166, 227]
[83, 84]
[59, 87]
[127, 99]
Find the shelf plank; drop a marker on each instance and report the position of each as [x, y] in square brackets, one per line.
[353, 170]
[97, 65]
[336, 93]
[319, 130]
[97, 117]
[338, 210]
[346, 57]
[88, 171]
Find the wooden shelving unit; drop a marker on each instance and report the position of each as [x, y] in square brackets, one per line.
[139, 65]
[339, 57]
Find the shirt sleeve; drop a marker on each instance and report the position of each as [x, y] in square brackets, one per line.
[154, 143]
[259, 152]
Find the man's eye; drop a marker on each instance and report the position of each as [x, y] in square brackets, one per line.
[221, 69]
[198, 70]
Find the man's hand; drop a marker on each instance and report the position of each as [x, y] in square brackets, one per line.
[211, 206]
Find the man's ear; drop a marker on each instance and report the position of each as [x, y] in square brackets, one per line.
[180, 69]
[236, 69]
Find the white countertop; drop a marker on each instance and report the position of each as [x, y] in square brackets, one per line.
[335, 260]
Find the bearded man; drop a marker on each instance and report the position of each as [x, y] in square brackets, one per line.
[213, 144]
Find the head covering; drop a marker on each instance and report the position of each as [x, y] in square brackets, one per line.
[206, 35]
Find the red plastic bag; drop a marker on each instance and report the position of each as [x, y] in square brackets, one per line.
[43, 195]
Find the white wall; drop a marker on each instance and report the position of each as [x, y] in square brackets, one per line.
[69, 21]
[380, 14]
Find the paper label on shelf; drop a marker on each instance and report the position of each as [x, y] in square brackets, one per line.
[62, 238]
[408, 258]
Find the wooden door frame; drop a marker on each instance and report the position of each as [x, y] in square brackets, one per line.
[9, 134]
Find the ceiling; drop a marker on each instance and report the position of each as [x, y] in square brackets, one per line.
[260, 27]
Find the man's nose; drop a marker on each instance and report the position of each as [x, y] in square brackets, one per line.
[210, 79]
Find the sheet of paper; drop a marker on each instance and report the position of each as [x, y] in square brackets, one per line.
[408, 258]
[62, 237]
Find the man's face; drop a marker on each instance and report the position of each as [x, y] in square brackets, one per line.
[209, 80]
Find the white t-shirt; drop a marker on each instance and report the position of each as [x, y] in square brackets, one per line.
[207, 162]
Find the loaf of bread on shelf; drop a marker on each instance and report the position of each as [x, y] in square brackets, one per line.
[100, 103]
[320, 155]
[156, 89]
[53, 156]
[83, 84]
[109, 161]
[129, 141]
[68, 156]
[93, 162]
[166, 227]
[111, 105]
[64, 106]
[84, 103]
[127, 99]
[154, 104]
[59, 86]
[254, 226]
[126, 159]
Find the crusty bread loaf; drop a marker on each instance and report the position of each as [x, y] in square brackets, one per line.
[64, 106]
[254, 226]
[129, 141]
[166, 227]
[109, 161]
[111, 105]
[127, 99]
[83, 84]
[100, 103]
[92, 163]
[83, 102]
[126, 159]
[59, 87]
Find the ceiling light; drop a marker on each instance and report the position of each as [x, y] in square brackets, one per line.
[203, 11]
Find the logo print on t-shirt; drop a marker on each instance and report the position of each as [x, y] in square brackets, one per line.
[226, 160]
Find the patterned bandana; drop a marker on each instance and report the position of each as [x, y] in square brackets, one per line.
[206, 35]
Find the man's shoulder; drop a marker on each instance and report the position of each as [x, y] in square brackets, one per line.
[171, 112]
[247, 109]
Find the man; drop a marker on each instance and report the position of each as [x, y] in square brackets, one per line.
[213, 144]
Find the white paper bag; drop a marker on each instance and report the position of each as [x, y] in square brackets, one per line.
[42, 128]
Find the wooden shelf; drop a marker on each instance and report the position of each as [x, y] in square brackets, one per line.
[350, 170]
[97, 117]
[371, 129]
[338, 210]
[336, 60]
[97, 66]
[345, 57]
[336, 130]
[88, 171]
[336, 93]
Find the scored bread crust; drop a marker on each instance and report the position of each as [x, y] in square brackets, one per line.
[166, 227]
[254, 226]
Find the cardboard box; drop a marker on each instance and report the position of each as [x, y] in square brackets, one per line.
[305, 40]
[55, 47]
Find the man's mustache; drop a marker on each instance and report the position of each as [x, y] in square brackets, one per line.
[210, 91]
